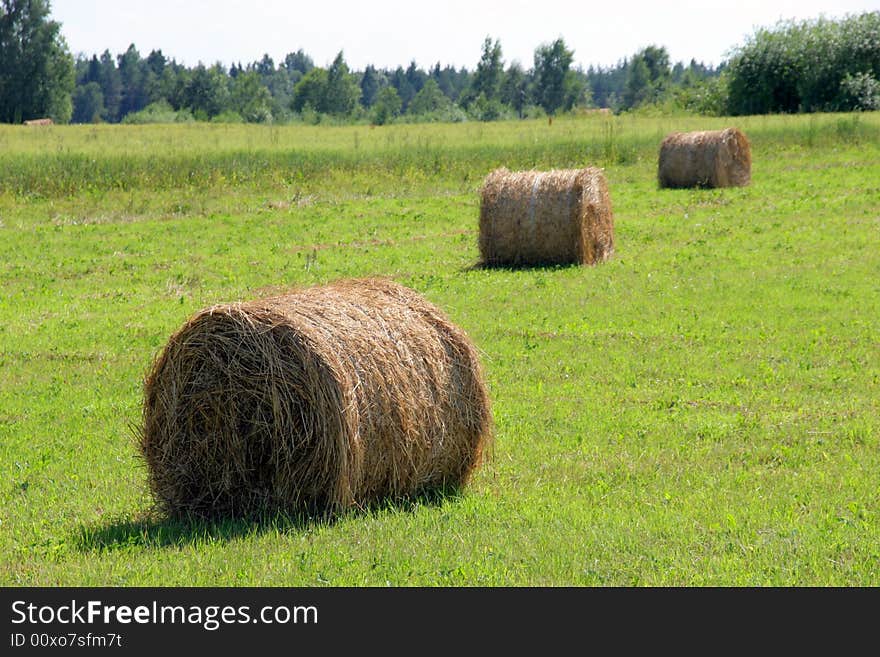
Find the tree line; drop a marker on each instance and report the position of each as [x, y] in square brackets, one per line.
[132, 88]
[816, 65]
[129, 87]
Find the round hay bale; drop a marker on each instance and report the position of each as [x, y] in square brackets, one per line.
[562, 216]
[318, 400]
[708, 158]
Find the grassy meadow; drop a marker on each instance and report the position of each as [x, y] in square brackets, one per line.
[701, 410]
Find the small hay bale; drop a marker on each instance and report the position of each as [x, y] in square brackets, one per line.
[562, 216]
[317, 400]
[709, 158]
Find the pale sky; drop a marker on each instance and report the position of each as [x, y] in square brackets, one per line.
[391, 33]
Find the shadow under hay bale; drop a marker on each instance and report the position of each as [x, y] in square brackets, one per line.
[529, 218]
[709, 158]
[323, 399]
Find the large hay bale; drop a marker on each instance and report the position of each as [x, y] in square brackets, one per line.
[708, 158]
[562, 216]
[317, 400]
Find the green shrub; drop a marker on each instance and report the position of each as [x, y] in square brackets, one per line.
[801, 67]
[860, 92]
[158, 112]
[228, 116]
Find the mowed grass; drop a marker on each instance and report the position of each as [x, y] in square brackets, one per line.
[703, 409]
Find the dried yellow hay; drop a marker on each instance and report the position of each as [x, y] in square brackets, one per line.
[709, 158]
[318, 400]
[561, 216]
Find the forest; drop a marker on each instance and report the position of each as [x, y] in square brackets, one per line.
[794, 66]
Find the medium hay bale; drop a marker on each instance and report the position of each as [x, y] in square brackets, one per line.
[561, 216]
[708, 158]
[317, 400]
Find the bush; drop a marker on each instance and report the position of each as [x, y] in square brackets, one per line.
[227, 116]
[801, 66]
[859, 92]
[483, 109]
[534, 112]
[158, 112]
[451, 114]
[708, 97]
[387, 106]
[309, 115]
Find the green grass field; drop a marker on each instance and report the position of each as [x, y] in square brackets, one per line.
[701, 410]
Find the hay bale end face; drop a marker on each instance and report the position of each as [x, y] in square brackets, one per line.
[562, 216]
[709, 158]
[318, 400]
